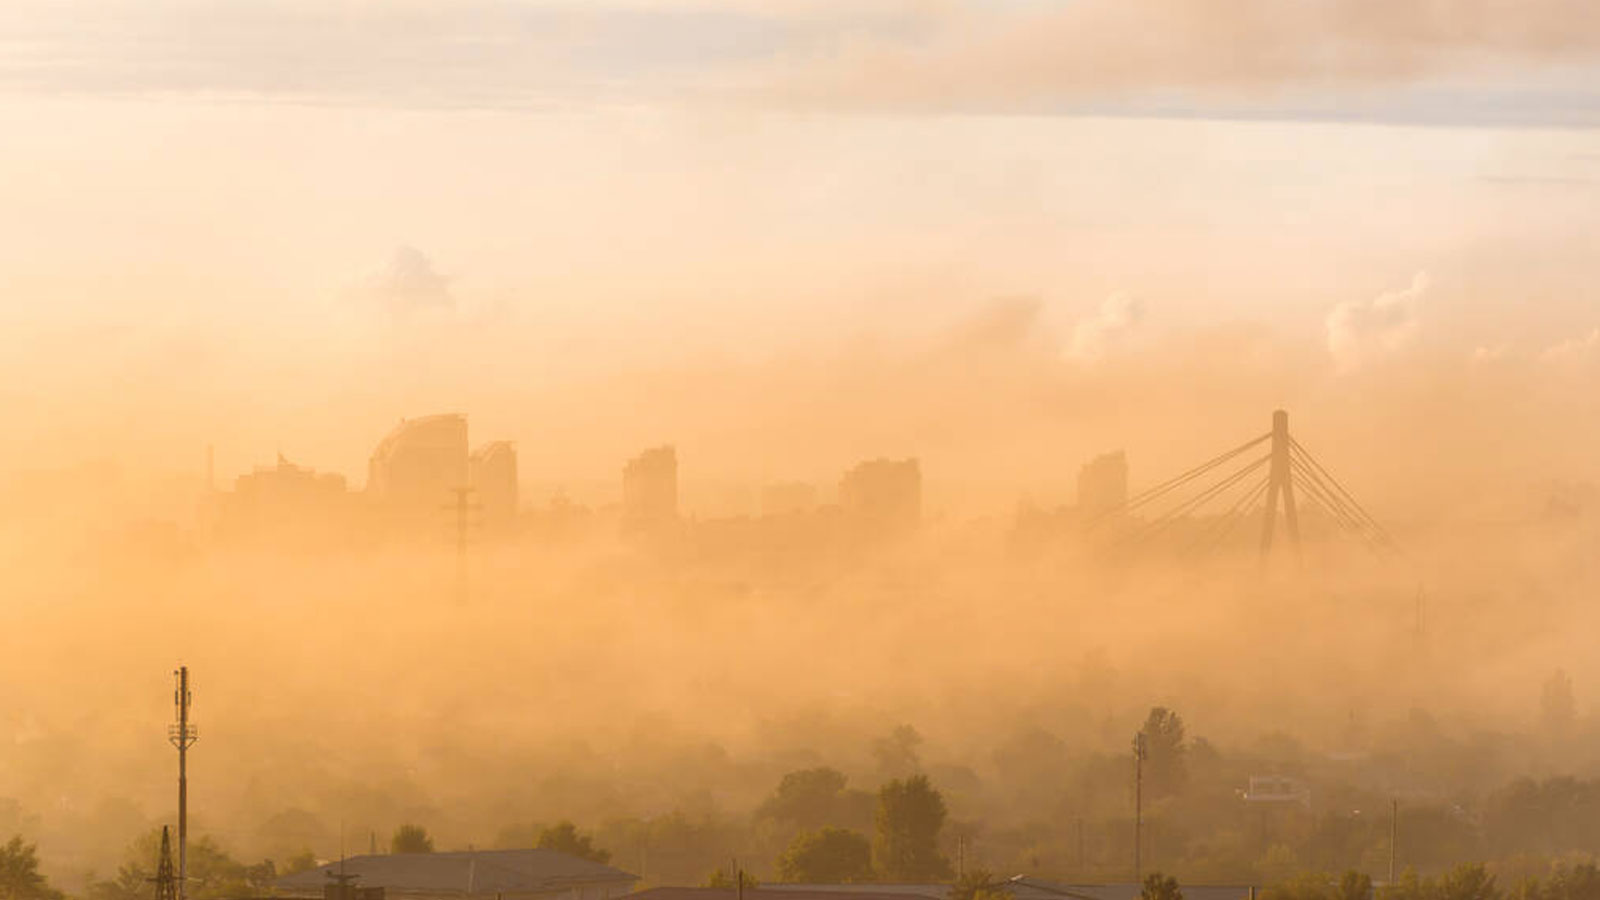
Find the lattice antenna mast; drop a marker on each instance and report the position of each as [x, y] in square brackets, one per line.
[182, 735]
[166, 880]
[1280, 483]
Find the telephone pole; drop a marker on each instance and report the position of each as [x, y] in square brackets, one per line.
[463, 508]
[1138, 805]
[1394, 835]
[183, 735]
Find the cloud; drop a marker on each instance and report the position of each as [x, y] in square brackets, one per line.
[1110, 328]
[1363, 331]
[1574, 350]
[411, 284]
[1131, 56]
[1173, 54]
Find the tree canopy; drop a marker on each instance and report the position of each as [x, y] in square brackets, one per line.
[911, 814]
[566, 838]
[411, 839]
[20, 878]
[827, 856]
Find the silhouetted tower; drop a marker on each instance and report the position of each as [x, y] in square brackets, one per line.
[166, 880]
[182, 735]
[463, 508]
[1280, 482]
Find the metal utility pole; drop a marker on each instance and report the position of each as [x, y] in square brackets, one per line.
[183, 735]
[1394, 835]
[1138, 805]
[1280, 481]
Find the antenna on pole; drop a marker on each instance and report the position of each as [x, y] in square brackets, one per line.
[183, 735]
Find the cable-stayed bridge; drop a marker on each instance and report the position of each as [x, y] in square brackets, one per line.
[1252, 482]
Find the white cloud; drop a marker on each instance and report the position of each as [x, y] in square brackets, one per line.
[1575, 349]
[1363, 331]
[1108, 329]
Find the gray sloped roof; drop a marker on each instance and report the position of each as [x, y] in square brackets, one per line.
[470, 872]
[1025, 887]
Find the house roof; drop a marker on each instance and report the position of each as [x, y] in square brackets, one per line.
[795, 892]
[466, 873]
[1024, 887]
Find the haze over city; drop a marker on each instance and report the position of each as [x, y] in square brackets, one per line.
[659, 441]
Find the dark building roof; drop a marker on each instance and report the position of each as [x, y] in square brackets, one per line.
[1024, 887]
[797, 892]
[880, 891]
[471, 872]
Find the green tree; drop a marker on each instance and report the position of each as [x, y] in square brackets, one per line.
[979, 884]
[301, 862]
[808, 799]
[1470, 881]
[565, 837]
[1165, 771]
[19, 873]
[827, 856]
[411, 839]
[910, 816]
[1160, 887]
[213, 872]
[1354, 885]
[722, 878]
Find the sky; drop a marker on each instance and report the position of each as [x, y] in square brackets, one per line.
[280, 225]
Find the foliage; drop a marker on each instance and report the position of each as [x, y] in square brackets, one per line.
[724, 878]
[1165, 772]
[910, 816]
[827, 856]
[809, 799]
[411, 839]
[19, 873]
[213, 872]
[1160, 887]
[564, 837]
[301, 862]
[979, 884]
[897, 753]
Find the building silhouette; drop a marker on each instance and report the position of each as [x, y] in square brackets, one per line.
[884, 495]
[493, 473]
[420, 464]
[650, 489]
[1103, 485]
[285, 497]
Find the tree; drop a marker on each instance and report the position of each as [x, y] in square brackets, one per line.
[564, 837]
[213, 872]
[722, 878]
[19, 873]
[411, 839]
[809, 799]
[1160, 887]
[910, 816]
[827, 856]
[301, 862]
[1164, 769]
[1469, 881]
[979, 884]
[1354, 885]
[897, 753]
